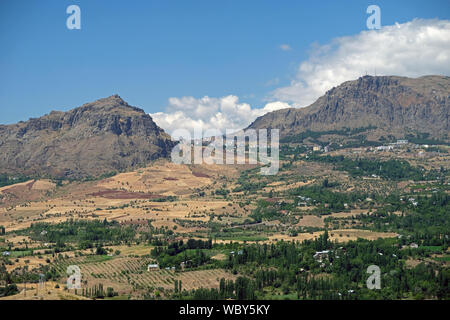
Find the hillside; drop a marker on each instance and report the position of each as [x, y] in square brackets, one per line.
[396, 106]
[96, 138]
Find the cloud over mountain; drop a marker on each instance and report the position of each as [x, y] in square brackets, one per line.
[210, 113]
[412, 49]
[416, 48]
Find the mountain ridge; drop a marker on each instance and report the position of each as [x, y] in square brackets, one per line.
[98, 137]
[397, 105]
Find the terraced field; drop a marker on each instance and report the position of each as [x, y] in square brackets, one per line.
[125, 273]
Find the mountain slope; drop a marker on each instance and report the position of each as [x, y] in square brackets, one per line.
[395, 105]
[96, 138]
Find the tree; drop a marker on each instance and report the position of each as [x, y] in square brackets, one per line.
[110, 292]
[100, 250]
[325, 239]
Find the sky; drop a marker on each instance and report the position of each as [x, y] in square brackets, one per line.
[219, 64]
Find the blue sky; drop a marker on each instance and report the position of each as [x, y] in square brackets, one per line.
[150, 51]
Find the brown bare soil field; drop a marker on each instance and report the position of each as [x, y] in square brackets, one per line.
[29, 261]
[219, 256]
[43, 185]
[124, 197]
[118, 194]
[166, 178]
[283, 186]
[11, 188]
[33, 291]
[352, 213]
[343, 235]
[411, 263]
[20, 193]
[311, 221]
[200, 175]
[135, 250]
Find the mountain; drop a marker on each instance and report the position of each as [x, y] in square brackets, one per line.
[98, 137]
[396, 106]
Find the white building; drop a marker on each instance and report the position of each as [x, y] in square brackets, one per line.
[384, 148]
[320, 255]
[152, 267]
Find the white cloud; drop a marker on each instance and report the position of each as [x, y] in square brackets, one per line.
[285, 47]
[416, 48]
[210, 113]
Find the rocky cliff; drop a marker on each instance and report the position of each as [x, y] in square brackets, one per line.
[99, 137]
[395, 105]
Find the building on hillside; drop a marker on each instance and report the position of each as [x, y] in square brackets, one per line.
[384, 148]
[320, 255]
[186, 264]
[152, 267]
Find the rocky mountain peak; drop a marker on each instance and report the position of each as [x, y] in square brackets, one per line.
[396, 105]
[101, 136]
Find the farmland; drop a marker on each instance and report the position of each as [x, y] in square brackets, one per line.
[198, 223]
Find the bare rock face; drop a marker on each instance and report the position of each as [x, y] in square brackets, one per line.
[99, 137]
[395, 105]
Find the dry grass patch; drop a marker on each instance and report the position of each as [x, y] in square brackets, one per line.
[311, 221]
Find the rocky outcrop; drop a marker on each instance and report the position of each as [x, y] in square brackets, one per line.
[99, 137]
[395, 105]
